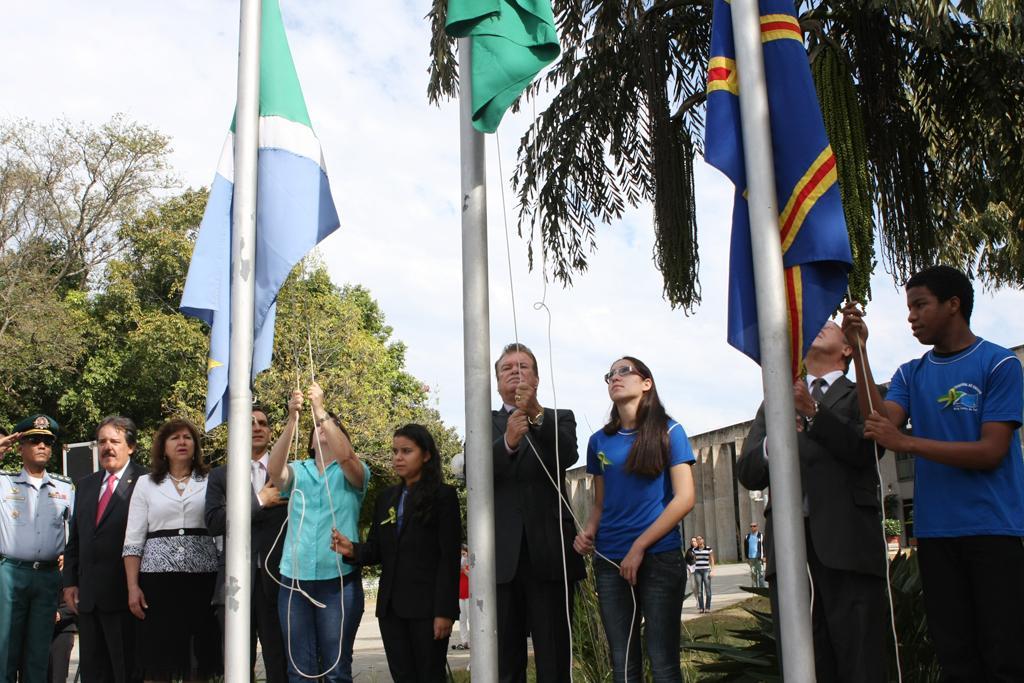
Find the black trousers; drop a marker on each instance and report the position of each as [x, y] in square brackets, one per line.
[532, 607]
[849, 622]
[978, 630]
[413, 654]
[106, 641]
[60, 656]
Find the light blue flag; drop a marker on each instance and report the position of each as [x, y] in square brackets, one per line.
[294, 212]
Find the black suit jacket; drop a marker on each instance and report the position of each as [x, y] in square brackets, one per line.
[92, 558]
[266, 525]
[420, 564]
[526, 502]
[837, 472]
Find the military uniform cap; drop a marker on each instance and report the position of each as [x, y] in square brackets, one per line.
[38, 424]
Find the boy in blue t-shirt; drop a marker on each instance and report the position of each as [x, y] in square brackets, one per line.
[964, 399]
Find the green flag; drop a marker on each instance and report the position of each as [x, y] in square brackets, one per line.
[512, 41]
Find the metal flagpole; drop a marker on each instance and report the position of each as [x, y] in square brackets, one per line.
[483, 620]
[238, 541]
[780, 415]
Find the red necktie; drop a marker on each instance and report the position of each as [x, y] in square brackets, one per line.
[105, 498]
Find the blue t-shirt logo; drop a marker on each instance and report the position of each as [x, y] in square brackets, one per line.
[963, 396]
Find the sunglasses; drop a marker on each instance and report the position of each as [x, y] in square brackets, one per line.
[40, 438]
[621, 371]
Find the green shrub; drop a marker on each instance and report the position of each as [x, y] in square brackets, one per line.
[757, 659]
[892, 527]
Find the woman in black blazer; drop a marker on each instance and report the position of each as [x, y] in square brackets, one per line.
[415, 537]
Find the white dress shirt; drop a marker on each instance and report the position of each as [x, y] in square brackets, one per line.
[119, 474]
[830, 379]
[259, 473]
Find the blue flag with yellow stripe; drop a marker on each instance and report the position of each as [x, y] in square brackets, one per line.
[812, 230]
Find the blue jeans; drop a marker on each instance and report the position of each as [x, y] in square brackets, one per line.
[312, 635]
[659, 602]
[703, 579]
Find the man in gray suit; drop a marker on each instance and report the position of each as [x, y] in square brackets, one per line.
[269, 515]
[842, 515]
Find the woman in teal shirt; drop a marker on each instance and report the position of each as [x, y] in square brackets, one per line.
[326, 491]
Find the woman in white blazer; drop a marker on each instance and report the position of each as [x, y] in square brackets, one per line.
[171, 562]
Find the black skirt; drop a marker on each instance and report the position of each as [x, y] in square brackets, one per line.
[180, 637]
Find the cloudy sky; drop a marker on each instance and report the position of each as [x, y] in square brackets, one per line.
[393, 161]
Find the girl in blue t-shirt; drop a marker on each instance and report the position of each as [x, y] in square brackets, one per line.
[643, 487]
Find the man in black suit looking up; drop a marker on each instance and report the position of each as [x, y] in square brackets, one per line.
[269, 514]
[842, 515]
[531, 549]
[94, 581]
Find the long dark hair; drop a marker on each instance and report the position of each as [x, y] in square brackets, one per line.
[158, 458]
[649, 454]
[424, 492]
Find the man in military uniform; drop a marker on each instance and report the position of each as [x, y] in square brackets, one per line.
[34, 508]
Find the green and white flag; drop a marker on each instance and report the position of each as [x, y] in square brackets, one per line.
[512, 41]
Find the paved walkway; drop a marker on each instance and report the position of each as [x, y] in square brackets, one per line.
[370, 664]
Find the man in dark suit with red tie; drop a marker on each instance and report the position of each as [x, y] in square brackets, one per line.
[534, 557]
[94, 580]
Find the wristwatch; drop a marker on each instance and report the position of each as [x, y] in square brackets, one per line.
[808, 421]
[538, 420]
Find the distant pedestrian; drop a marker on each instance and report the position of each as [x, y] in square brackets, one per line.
[691, 564]
[703, 570]
[463, 601]
[753, 549]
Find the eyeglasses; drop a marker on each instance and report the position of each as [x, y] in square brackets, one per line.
[40, 438]
[621, 371]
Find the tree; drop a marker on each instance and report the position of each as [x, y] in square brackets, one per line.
[66, 191]
[342, 332]
[144, 359]
[136, 354]
[922, 102]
